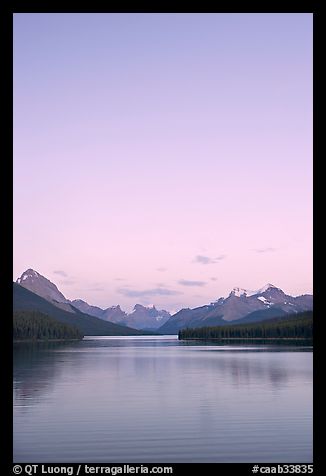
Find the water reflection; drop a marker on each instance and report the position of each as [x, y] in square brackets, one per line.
[38, 366]
[161, 400]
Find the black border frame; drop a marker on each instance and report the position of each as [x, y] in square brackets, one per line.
[6, 31]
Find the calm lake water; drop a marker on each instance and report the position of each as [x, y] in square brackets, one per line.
[155, 399]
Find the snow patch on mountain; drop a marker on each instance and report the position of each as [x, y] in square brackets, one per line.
[28, 274]
[265, 301]
[238, 292]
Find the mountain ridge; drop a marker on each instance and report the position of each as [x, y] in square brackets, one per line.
[140, 318]
[240, 306]
[26, 300]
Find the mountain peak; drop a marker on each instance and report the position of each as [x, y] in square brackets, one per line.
[238, 292]
[28, 274]
[138, 307]
[146, 317]
[266, 287]
[38, 284]
[31, 271]
[141, 306]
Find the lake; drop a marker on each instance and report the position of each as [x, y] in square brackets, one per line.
[157, 399]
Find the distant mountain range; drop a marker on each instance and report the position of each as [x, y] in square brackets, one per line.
[146, 318]
[143, 318]
[25, 300]
[241, 306]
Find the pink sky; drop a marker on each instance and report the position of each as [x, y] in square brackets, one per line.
[163, 158]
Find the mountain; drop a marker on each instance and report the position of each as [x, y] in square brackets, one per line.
[240, 306]
[141, 317]
[83, 306]
[293, 326]
[114, 314]
[146, 317]
[305, 301]
[25, 300]
[38, 284]
[262, 315]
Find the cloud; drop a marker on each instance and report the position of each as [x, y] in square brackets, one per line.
[119, 279]
[60, 272]
[147, 292]
[186, 282]
[213, 278]
[161, 269]
[207, 260]
[265, 250]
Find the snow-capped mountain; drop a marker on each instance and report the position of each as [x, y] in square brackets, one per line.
[146, 317]
[245, 292]
[38, 284]
[141, 317]
[240, 306]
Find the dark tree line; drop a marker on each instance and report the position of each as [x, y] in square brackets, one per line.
[299, 326]
[34, 325]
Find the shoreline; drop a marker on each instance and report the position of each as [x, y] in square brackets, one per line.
[16, 341]
[250, 338]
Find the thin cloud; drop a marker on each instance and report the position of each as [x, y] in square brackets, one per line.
[147, 292]
[213, 278]
[60, 272]
[265, 250]
[161, 269]
[208, 260]
[187, 282]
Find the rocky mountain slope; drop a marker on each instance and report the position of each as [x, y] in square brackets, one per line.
[240, 306]
[25, 300]
[140, 318]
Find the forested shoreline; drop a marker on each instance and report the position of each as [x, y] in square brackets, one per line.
[34, 325]
[296, 326]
